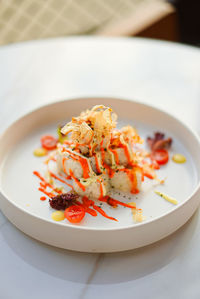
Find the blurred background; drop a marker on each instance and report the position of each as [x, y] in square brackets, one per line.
[173, 20]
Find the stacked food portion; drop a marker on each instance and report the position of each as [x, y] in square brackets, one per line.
[93, 157]
[97, 156]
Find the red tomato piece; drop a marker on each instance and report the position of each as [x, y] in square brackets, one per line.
[161, 156]
[48, 142]
[74, 214]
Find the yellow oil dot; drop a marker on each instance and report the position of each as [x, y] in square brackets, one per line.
[40, 152]
[179, 158]
[58, 216]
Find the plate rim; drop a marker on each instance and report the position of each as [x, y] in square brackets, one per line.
[131, 226]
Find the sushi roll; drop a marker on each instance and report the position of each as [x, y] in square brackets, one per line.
[127, 180]
[95, 187]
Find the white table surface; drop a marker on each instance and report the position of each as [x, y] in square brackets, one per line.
[163, 74]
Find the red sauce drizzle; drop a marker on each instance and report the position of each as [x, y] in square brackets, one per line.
[63, 164]
[44, 185]
[59, 179]
[103, 213]
[126, 152]
[97, 165]
[87, 203]
[76, 180]
[68, 177]
[49, 194]
[116, 202]
[82, 161]
[111, 172]
[85, 167]
[133, 179]
[148, 175]
[41, 178]
[115, 154]
[101, 188]
[109, 169]
[43, 198]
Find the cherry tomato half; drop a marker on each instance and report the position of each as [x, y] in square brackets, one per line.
[160, 156]
[48, 142]
[74, 214]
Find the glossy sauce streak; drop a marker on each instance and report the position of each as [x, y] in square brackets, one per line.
[115, 155]
[76, 180]
[49, 194]
[109, 169]
[133, 179]
[43, 198]
[85, 167]
[82, 161]
[63, 164]
[88, 202]
[97, 165]
[98, 209]
[59, 179]
[44, 184]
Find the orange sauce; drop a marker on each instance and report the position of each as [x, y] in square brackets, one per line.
[133, 179]
[83, 144]
[59, 179]
[87, 203]
[116, 202]
[41, 178]
[148, 175]
[109, 169]
[68, 177]
[44, 185]
[85, 167]
[49, 194]
[76, 180]
[103, 213]
[43, 198]
[111, 172]
[97, 165]
[101, 188]
[63, 164]
[102, 152]
[126, 152]
[82, 161]
[115, 155]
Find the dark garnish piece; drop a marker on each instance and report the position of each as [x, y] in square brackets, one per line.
[63, 201]
[159, 141]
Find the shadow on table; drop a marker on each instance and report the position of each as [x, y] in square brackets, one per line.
[114, 267]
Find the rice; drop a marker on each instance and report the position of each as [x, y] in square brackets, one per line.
[121, 181]
[93, 190]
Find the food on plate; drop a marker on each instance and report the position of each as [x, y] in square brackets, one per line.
[40, 152]
[159, 141]
[48, 142]
[167, 197]
[179, 158]
[93, 157]
[160, 156]
[58, 216]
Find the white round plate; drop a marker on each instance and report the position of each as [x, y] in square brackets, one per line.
[20, 200]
